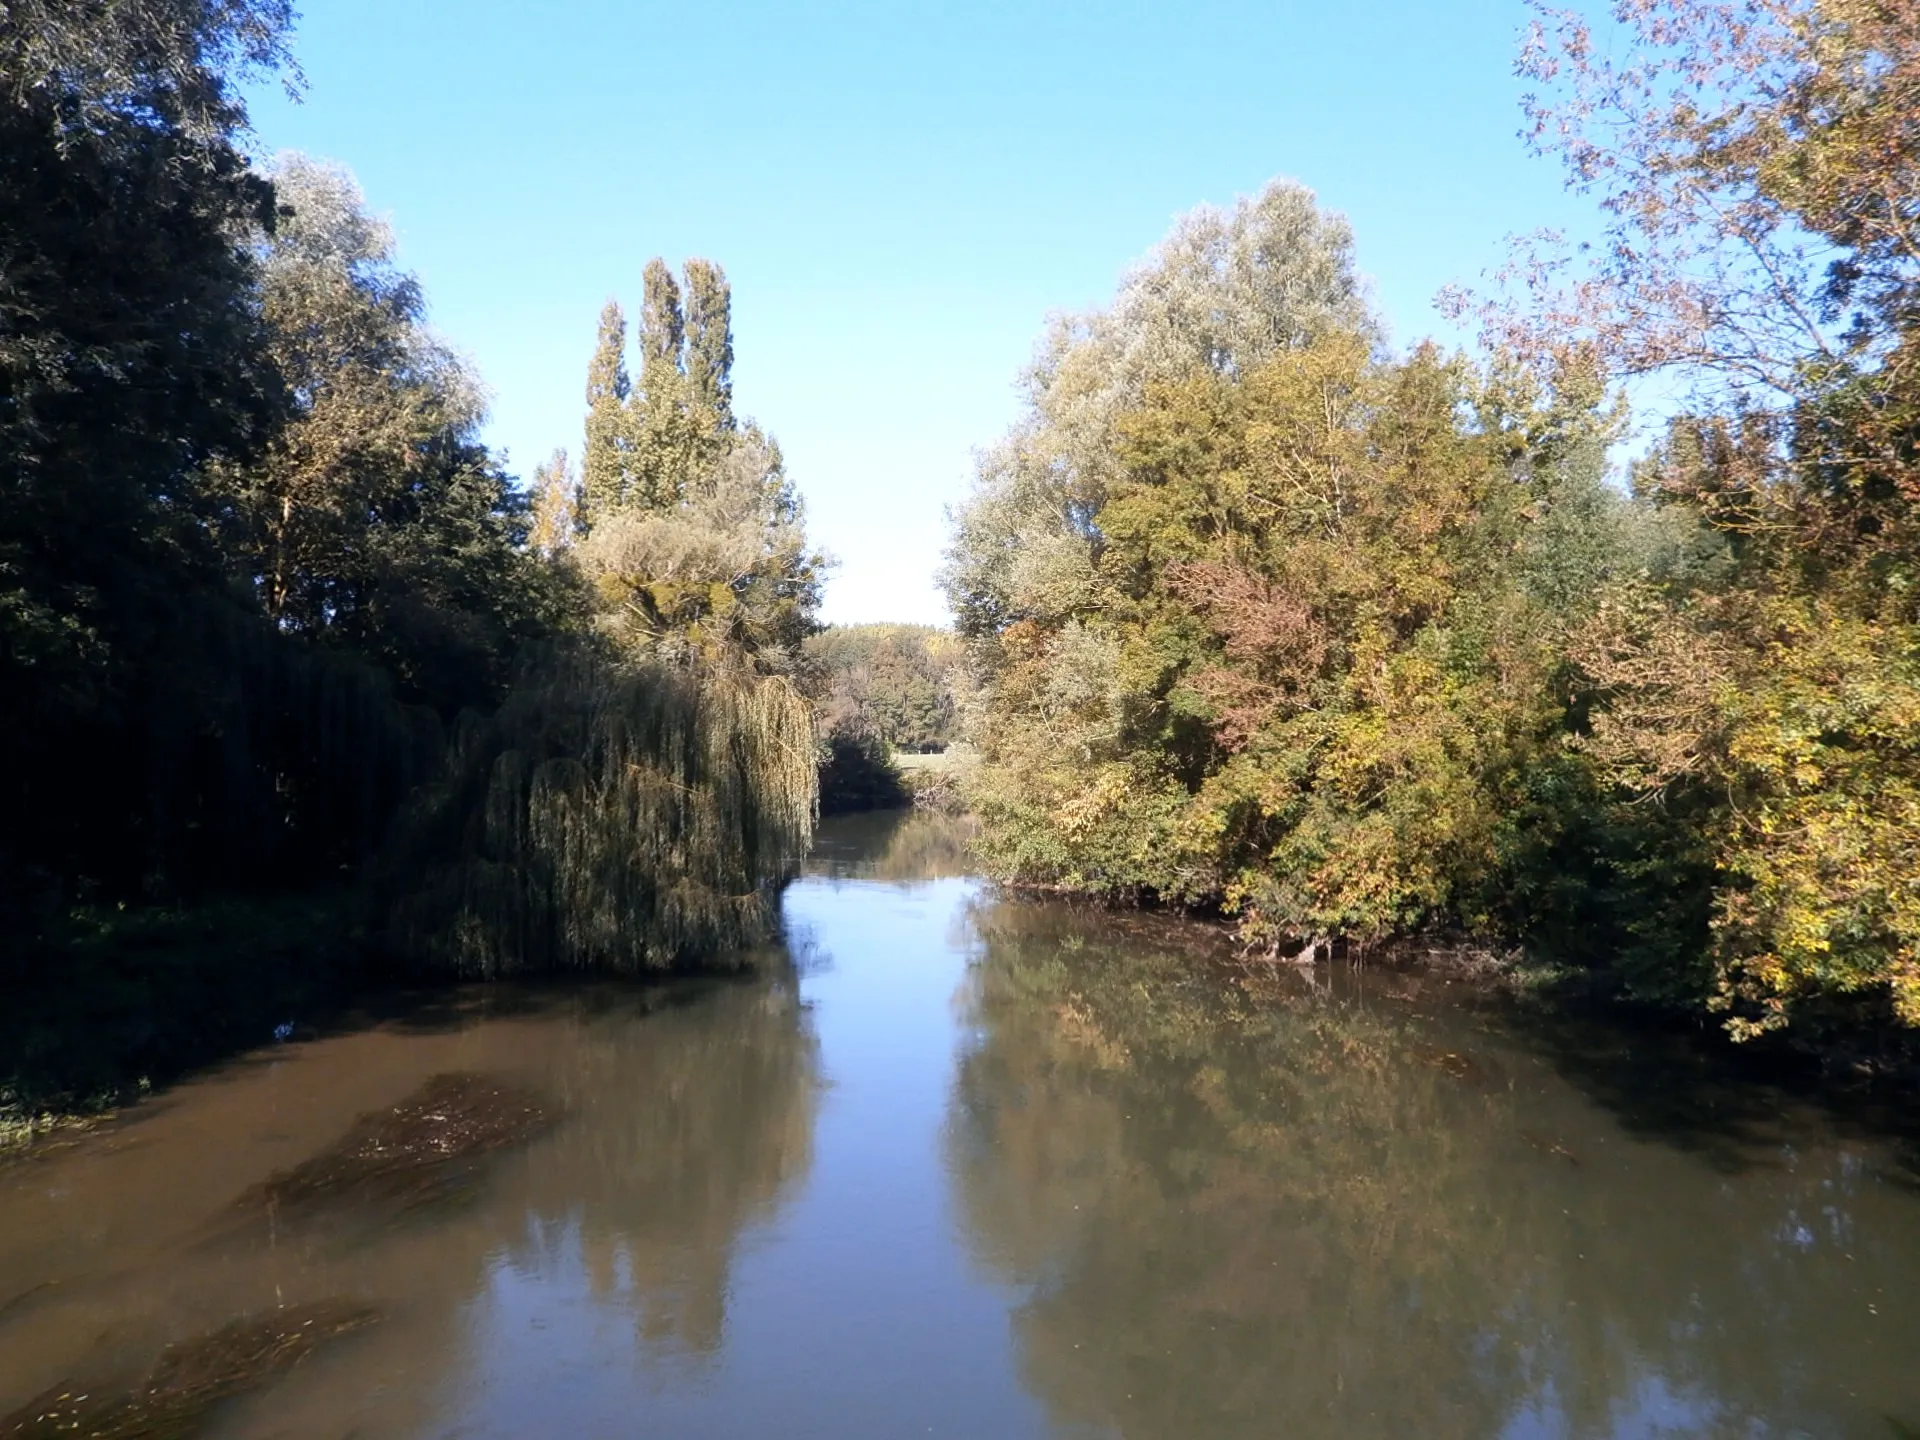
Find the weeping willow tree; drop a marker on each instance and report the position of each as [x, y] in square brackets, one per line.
[613, 815]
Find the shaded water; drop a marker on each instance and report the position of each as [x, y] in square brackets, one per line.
[969, 1167]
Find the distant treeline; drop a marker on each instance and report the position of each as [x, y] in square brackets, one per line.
[272, 617]
[881, 690]
[903, 684]
[1346, 645]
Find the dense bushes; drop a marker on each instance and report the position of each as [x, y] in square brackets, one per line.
[902, 684]
[1308, 658]
[1345, 646]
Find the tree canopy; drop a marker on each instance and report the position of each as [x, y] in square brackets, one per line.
[1347, 646]
[690, 530]
[273, 617]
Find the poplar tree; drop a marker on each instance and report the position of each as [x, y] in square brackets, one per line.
[699, 551]
[603, 464]
[709, 343]
[662, 329]
[648, 443]
[669, 439]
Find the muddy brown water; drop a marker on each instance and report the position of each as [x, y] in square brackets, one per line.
[961, 1166]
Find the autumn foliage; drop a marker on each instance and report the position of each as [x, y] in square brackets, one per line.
[1346, 646]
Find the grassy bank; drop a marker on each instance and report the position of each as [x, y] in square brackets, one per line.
[934, 780]
[138, 997]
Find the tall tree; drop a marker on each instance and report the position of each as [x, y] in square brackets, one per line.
[709, 346]
[604, 463]
[178, 58]
[1756, 162]
[723, 576]
[663, 331]
[1225, 290]
[1303, 663]
[131, 356]
[1270, 623]
[701, 552]
[672, 438]
[375, 520]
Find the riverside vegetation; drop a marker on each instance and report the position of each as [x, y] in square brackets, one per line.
[1259, 616]
[1345, 643]
[299, 684]
[893, 699]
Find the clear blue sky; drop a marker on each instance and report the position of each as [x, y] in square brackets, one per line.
[899, 192]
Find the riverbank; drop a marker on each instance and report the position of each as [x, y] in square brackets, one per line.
[141, 997]
[144, 998]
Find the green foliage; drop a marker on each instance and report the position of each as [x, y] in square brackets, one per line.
[610, 816]
[254, 560]
[1224, 291]
[604, 460]
[886, 693]
[694, 536]
[129, 357]
[1309, 655]
[1345, 647]
[938, 781]
[723, 576]
[553, 518]
[1764, 248]
[260, 765]
[160, 736]
[641, 796]
[671, 436]
[374, 520]
[709, 343]
[94, 63]
[901, 683]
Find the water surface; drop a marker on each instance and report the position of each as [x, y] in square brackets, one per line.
[960, 1166]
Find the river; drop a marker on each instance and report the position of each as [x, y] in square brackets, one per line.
[954, 1165]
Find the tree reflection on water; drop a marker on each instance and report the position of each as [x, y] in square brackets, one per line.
[1240, 1206]
[682, 1117]
[685, 1131]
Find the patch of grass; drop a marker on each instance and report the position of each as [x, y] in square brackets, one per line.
[118, 1001]
[935, 760]
[934, 781]
[190, 1378]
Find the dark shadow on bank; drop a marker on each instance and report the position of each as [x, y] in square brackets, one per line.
[141, 1001]
[1684, 1084]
